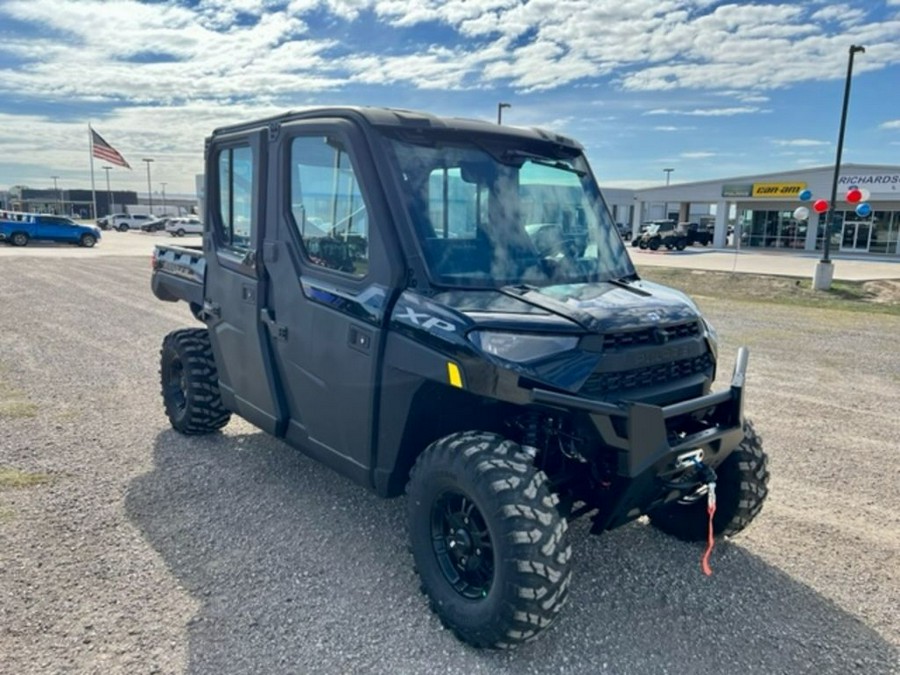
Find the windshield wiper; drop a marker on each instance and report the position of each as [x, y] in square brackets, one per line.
[625, 282]
[543, 161]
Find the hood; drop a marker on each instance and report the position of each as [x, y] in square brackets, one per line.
[599, 307]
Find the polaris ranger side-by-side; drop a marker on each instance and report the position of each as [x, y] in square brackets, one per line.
[445, 307]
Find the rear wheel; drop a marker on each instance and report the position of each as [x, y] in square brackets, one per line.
[741, 488]
[123, 228]
[87, 240]
[19, 239]
[681, 244]
[180, 232]
[643, 244]
[190, 383]
[489, 545]
[654, 244]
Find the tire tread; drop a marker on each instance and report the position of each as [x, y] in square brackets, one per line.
[204, 412]
[537, 551]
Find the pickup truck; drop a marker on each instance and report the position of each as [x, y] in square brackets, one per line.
[20, 228]
[125, 221]
[443, 307]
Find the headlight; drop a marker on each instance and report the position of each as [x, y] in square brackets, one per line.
[521, 348]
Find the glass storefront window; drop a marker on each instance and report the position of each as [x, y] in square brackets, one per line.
[779, 229]
[881, 226]
[837, 226]
[773, 229]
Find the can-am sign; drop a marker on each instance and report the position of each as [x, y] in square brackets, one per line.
[874, 183]
[778, 190]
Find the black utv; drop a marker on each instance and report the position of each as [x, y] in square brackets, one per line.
[444, 307]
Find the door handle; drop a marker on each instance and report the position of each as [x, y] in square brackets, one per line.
[360, 339]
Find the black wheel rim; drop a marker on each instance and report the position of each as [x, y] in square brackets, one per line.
[176, 384]
[462, 545]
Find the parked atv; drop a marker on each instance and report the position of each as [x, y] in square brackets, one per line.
[441, 308]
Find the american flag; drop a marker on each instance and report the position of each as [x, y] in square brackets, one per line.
[105, 151]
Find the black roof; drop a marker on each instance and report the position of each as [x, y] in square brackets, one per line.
[406, 119]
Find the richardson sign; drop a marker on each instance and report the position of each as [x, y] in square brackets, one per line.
[778, 190]
[874, 183]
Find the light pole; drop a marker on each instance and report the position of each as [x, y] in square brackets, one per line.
[825, 270]
[109, 208]
[164, 199]
[668, 175]
[500, 107]
[56, 190]
[149, 188]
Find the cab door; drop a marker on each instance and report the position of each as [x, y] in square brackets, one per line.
[234, 287]
[327, 259]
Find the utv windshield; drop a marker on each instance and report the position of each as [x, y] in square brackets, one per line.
[494, 214]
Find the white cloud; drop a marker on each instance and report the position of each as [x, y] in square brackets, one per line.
[212, 56]
[706, 112]
[842, 14]
[533, 46]
[700, 154]
[800, 142]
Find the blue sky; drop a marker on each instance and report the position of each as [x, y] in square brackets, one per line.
[710, 89]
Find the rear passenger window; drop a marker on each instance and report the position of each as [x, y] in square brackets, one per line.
[328, 209]
[236, 196]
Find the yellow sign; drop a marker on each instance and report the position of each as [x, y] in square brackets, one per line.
[778, 190]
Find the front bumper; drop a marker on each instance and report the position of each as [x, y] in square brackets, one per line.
[656, 443]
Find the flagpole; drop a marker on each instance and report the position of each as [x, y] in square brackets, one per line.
[93, 187]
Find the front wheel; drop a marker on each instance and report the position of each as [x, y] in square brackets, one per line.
[654, 244]
[741, 488]
[489, 544]
[123, 228]
[19, 239]
[681, 244]
[190, 383]
[87, 240]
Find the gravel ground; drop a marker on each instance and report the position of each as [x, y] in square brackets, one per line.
[147, 552]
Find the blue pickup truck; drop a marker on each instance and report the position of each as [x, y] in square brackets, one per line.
[20, 228]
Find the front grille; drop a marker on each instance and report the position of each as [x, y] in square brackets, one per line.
[599, 385]
[650, 336]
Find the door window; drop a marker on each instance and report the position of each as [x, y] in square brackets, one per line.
[328, 210]
[236, 196]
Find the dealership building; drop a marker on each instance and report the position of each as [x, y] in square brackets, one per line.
[758, 211]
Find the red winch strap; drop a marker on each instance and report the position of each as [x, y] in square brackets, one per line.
[710, 539]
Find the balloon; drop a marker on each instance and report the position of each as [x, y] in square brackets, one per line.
[801, 213]
[821, 206]
[806, 195]
[854, 195]
[864, 195]
[863, 209]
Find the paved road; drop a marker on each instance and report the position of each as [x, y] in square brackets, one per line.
[152, 553]
[847, 267]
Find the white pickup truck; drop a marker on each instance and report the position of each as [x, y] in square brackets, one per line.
[124, 221]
